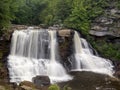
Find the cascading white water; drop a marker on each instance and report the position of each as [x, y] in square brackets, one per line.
[32, 54]
[55, 70]
[86, 61]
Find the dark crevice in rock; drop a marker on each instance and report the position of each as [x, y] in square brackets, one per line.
[65, 39]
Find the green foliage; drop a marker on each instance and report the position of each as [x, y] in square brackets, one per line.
[108, 50]
[75, 14]
[29, 12]
[54, 87]
[63, 9]
[67, 88]
[48, 15]
[118, 4]
[4, 13]
[7, 9]
[83, 12]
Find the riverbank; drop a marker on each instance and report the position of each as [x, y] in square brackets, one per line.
[65, 39]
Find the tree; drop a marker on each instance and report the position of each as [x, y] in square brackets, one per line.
[82, 12]
[48, 15]
[29, 12]
[78, 19]
[7, 9]
[63, 9]
[4, 13]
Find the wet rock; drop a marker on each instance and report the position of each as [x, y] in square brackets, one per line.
[65, 40]
[55, 27]
[91, 81]
[117, 68]
[3, 73]
[117, 74]
[65, 33]
[4, 50]
[2, 88]
[41, 81]
[26, 85]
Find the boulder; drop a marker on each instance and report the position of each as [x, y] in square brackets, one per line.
[65, 33]
[41, 81]
[27, 85]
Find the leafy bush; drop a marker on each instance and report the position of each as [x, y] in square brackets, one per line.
[54, 87]
[107, 49]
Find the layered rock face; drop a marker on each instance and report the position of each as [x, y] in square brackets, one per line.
[105, 30]
[65, 37]
[107, 24]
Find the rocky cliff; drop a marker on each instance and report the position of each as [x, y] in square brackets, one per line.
[105, 34]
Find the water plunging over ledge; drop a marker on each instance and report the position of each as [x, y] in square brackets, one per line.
[33, 53]
[86, 61]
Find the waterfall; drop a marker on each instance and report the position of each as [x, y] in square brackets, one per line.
[55, 70]
[86, 61]
[33, 52]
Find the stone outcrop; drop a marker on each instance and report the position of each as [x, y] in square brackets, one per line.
[108, 24]
[65, 37]
[4, 51]
[106, 28]
[65, 33]
[91, 81]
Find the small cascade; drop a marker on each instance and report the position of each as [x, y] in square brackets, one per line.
[77, 43]
[33, 52]
[86, 47]
[55, 70]
[86, 61]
